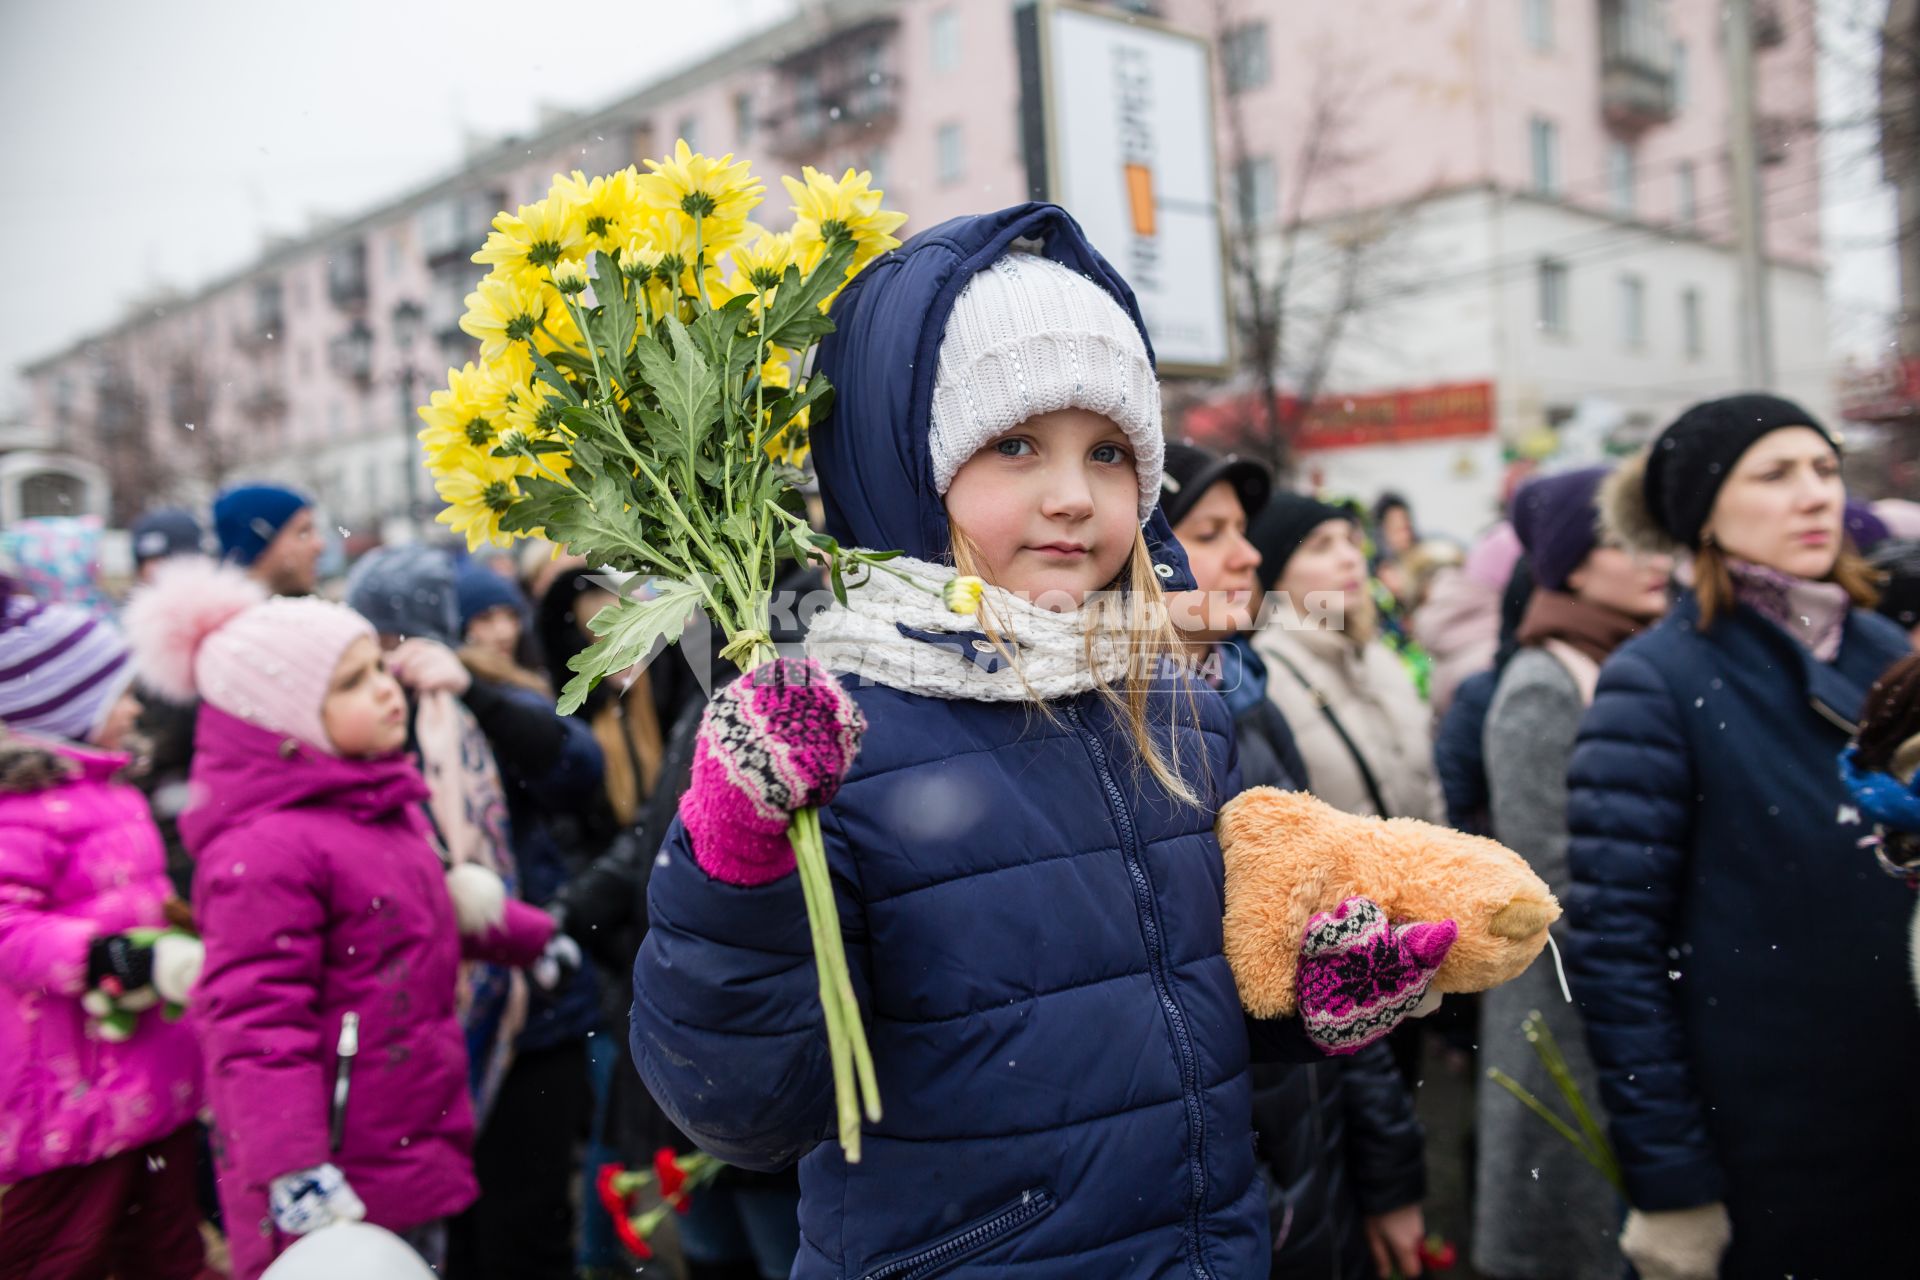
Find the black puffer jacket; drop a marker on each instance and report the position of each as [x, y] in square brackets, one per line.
[1338, 1139]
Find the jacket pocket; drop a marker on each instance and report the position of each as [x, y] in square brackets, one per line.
[1009, 1219]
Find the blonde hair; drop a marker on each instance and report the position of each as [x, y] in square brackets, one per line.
[1134, 608]
[1713, 582]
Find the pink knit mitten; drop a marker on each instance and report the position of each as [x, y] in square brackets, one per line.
[1360, 977]
[778, 739]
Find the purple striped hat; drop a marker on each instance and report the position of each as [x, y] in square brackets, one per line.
[61, 668]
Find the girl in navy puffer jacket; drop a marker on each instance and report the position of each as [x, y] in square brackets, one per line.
[1023, 853]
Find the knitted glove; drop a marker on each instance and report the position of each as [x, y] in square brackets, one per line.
[1678, 1244]
[559, 961]
[776, 740]
[313, 1198]
[1360, 978]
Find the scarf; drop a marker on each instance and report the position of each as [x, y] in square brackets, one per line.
[468, 805]
[901, 635]
[1591, 630]
[1814, 613]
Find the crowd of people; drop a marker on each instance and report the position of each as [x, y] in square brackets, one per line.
[314, 910]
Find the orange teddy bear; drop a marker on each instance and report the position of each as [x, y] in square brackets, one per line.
[1294, 862]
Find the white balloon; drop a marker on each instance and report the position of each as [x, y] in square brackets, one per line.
[357, 1249]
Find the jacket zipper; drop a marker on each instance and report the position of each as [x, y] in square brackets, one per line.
[1156, 961]
[928, 1262]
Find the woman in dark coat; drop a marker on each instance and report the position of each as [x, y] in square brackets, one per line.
[1340, 1148]
[1740, 966]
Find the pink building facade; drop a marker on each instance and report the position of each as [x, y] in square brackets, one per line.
[1518, 138]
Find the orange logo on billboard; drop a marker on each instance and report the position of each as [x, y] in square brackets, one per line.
[1140, 198]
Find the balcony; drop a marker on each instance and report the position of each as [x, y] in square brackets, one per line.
[268, 318]
[452, 230]
[837, 92]
[347, 274]
[1636, 65]
[351, 354]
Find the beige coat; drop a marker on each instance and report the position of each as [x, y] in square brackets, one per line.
[1374, 697]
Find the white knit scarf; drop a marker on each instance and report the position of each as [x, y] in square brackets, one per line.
[864, 638]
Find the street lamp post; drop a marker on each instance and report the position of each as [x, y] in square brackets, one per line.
[406, 331]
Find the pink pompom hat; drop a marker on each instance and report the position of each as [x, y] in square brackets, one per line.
[205, 630]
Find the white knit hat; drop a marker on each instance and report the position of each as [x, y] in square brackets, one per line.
[1029, 336]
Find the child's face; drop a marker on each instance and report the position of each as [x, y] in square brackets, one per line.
[113, 730]
[365, 713]
[1053, 506]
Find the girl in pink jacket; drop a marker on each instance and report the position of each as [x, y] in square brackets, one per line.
[96, 1125]
[336, 1068]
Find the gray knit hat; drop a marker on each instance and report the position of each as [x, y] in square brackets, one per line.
[1029, 336]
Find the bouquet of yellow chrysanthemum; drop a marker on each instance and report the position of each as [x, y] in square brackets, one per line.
[643, 398]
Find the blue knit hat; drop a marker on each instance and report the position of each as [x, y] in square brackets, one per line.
[250, 517]
[406, 591]
[479, 589]
[61, 668]
[166, 532]
[1558, 523]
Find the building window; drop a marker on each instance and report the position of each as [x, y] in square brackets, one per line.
[1537, 16]
[1680, 85]
[1633, 312]
[1692, 325]
[395, 253]
[875, 163]
[1256, 192]
[946, 39]
[743, 118]
[1686, 205]
[1543, 137]
[950, 148]
[1243, 53]
[808, 118]
[689, 130]
[1621, 177]
[1553, 290]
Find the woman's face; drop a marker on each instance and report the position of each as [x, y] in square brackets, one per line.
[1624, 581]
[1783, 505]
[1225, 567]
[496, 629]
[1329, 561]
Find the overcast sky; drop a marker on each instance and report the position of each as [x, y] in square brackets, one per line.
[157, 142]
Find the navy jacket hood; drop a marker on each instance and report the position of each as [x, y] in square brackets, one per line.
[870, 453]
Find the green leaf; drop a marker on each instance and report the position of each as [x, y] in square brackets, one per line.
[602, 528]
[544, 370]
[685, 385]
[627, 631]
[799, 299]
[618, 317]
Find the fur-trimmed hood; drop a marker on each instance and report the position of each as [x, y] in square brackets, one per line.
[1625, 515]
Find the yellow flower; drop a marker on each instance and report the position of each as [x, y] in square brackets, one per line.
[506, 378]
[529, 242]
[465, 415]
[827, 212]
[790, 444]
[536, 418]
[760, 263]
[715, 191]
[609, 207]
[478, 489]
[570, 277]
[505, 310]
[962, 594]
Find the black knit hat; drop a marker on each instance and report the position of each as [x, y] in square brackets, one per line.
[1900, 594]
[1282, 525]
[1692, 458]
[1189, 471]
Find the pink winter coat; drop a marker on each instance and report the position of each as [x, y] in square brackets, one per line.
[79, 858]
[318, 894]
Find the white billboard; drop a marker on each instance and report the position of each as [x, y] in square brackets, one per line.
[1128, 120]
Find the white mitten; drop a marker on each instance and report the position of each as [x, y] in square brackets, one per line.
[560, 959]
[177, 959]
[313, 1198]
[1679, 1244]
[479, 898]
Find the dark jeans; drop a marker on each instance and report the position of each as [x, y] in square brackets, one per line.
[134, 1216]
[521, 1227]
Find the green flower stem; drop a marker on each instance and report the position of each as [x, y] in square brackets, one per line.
[1548, 1050]
[700, 261]
[807, 822]
[824, 923]
[1540, 1109]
